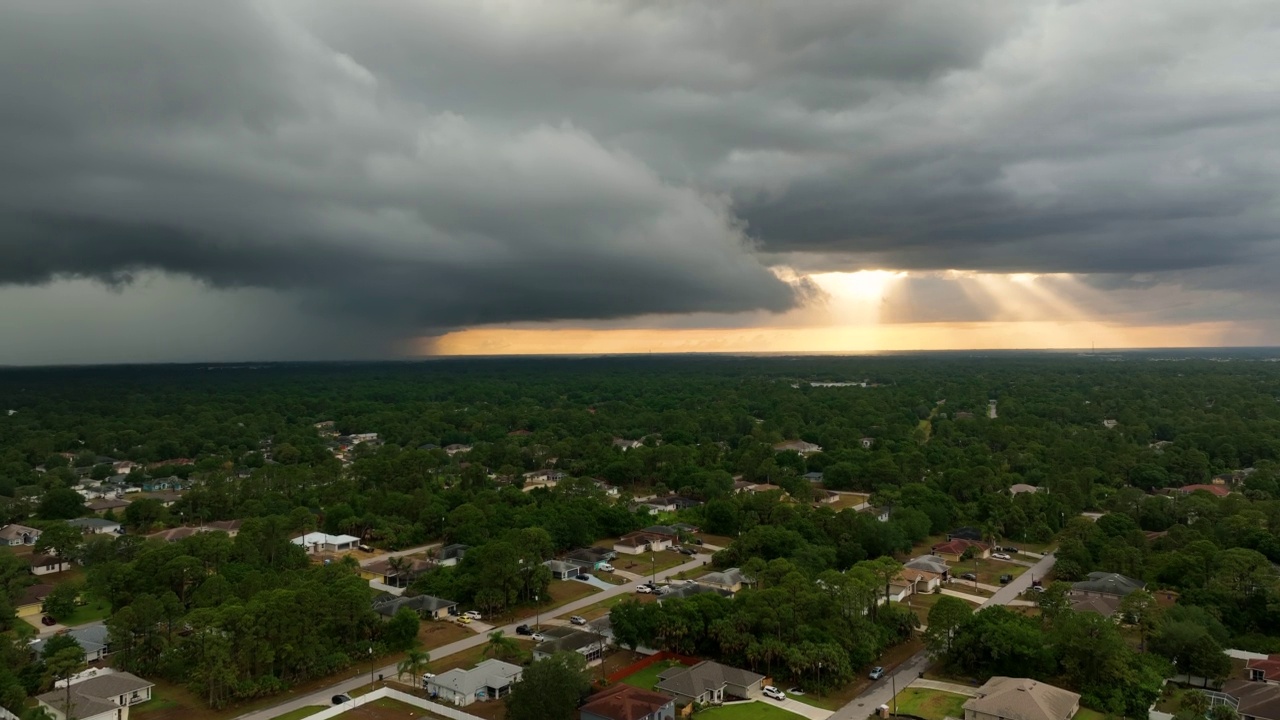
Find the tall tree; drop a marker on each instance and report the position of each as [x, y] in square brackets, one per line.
[550, 689]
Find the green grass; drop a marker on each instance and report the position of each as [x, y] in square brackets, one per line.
[648, 677]
[930, 704]
[1087, 714]
[300, 712]
[745, 711]
[94, 611]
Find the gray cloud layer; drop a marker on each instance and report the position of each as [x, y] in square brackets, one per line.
[436, 164]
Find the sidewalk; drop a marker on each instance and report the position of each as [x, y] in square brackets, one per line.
[975, 599]
[950, 687]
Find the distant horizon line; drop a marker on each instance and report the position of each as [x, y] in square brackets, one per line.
[1090, 351]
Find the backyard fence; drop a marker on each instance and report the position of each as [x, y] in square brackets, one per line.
[436, 708]
[658, 657]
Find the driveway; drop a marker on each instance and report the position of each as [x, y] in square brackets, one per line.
[360, 677]
[975, 599]
[799, 708]
[597, 582]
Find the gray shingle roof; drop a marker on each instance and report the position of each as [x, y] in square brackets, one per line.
[1023, 699]
[95, 695]
[706, 675]
[1108, 583]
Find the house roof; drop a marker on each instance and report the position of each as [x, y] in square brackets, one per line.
[16, 531]
[706, 675]
[958, 546]
[1023, 699]
[95, 695]
[1270, 667]
[1219, 490]
[571, 641]
[624, 702]
[421, 603]
[661, 530]
[100, 505]
[1258, 700]
[319, 538]
[965, 533]
[383, 567]
[1017, 488]
[224, 525]
[562, 566]
[727, 578]
[490, 673]
[91, 638]
[929, 563]
[691, 589]
[96, 523]
[813, 476]
[1108, 583]
[174, 534]
[637, 539]
[1106, 605]
[798, 446]
[452, 551]
[34, 594]
[913, 575]
[43, 560]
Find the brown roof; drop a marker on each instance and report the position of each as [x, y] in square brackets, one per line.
[914, 575]
[225, 525]
[1105, 605]
[958, 546]
[100, 505]
[1023, 699]
[638, 538]
[624, 702]
[174, 534]
[383, 567]
[1270, 667]
[1218, 490]
[34, 594]
[1257, 699]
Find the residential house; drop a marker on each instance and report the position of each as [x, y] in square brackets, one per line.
[689, 589]
[94, 639]
[1251, 700]
[315, 542]
[166, 497]
[758, 488]
[174, 534]
[105, 504]
[800, 446]
[813, 477]
[123, 467]
[96, 526]
[1264, 670]
[542, 479]
[589, 644]
[638, 543]
[456, 448]
[919, 581]
[666, 531]
[387, 573]
[451, 554]
[881, 513]
[1105, 584]
[931, 564]
[1104, 605]
[825, 497]
[684, 528]
[954, 550]
[607, 489]
[562, 570]
[624, 444]
[659, 504]
[1218, 490]
[1109, 423]
[31, 600]
[490, 680]
[428, 607]
[106, 696]
[1006, 698]
[624, 702]
[1020, 488]
[741, 486]
[48, 564]
[867, 443]
[15, 535]
[965, 533]
[230, 527]
[709, 683]
[730, 579]
[591, 558]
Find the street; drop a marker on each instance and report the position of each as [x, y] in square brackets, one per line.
[882, 692]
[323, 697]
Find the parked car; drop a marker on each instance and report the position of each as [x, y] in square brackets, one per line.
[1006, 579]
[1000, 556]
[773, 692]
[606, 567]
[795, 690]
[1008, 549]
[578, 620]
[584, 577]
[696, 541]
[426, 678]
[876, 673]
[343, 698]
[1037, 588]
[688, 551]
[464, 620]
[524, 630]
[473, 614]
[46, 620]
[644, 589]
[366, 548]
[969, 576]
[537, 637]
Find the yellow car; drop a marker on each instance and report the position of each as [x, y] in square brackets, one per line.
[463, 620]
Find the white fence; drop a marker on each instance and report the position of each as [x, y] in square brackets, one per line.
[404, 697]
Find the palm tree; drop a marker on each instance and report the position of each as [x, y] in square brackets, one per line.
[398, 566]
[500, 646]
[414, 664]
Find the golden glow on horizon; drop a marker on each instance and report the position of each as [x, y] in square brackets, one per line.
[874, 338]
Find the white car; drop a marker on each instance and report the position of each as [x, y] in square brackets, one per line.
[1000, 556]
[644, 589]
[473, 614]
[537, 637]
[606, 567]
[773, 692]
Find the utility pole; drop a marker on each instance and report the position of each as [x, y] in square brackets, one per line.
[371, 668]
[893, 683]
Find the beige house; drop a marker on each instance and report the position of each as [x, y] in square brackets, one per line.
[730, 580]
[638, 543]
[1006, 698]
[106, 696]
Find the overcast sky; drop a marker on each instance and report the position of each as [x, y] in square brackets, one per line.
[270, 179]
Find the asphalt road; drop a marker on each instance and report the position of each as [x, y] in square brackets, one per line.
[882, 691]
[324, 697]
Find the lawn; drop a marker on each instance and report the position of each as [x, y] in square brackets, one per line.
[383, 709]
[435, 633]
[930, 704]
[648, 677]
[745, 711]
[1087, 714]
[641, 565]
[602, 608]
[300, 712]
[92, 611]
[988, 571]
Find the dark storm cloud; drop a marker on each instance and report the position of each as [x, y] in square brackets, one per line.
[431, 165]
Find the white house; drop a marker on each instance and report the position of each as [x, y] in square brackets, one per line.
[490, 680]
[105, 696]
[15, 535]
[625, 444]
[800, 446]
[48, 564]
[321, 542]
[867, 443]
[456, 448]
[95, 526]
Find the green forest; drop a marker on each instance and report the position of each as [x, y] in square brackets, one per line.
[244, 617]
